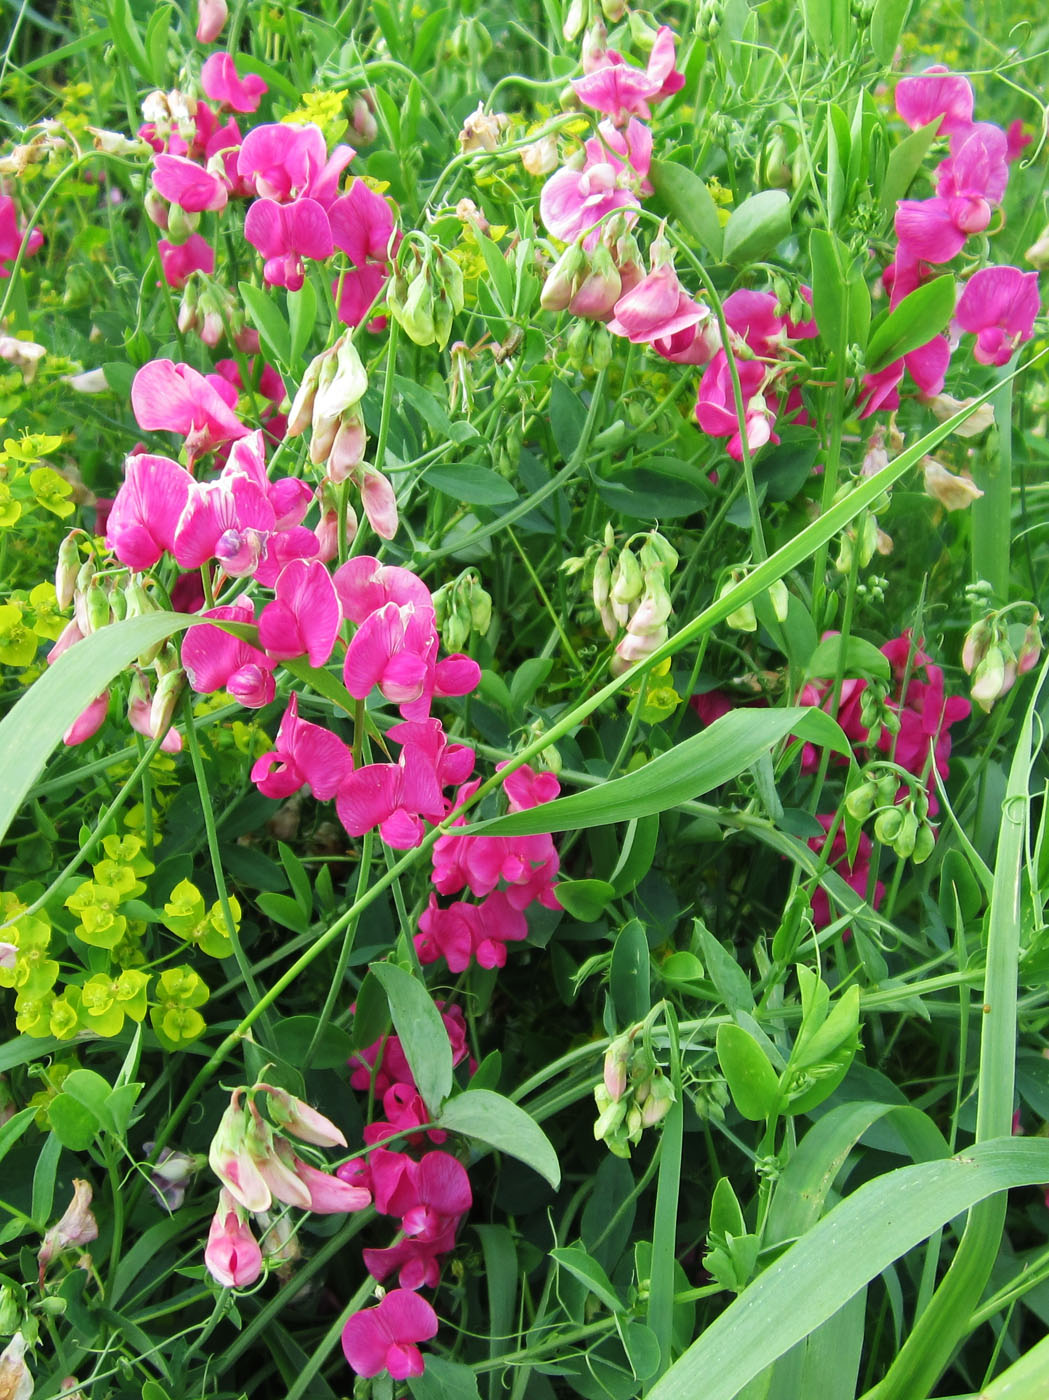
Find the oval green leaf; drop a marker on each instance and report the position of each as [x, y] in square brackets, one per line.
[752, 1082]
[478, 1113]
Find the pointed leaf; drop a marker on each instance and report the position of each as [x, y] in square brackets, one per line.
[686, 196]
[421, 1032]
[478, 1113]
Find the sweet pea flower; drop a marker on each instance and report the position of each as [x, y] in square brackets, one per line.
[304, 754]
[998, 305]
[179, 260]
[365, 585]
[855, 874]
[216, 660]
[362, 226]
[614, 173]
[232, 1255]
[211, 20]
[656, 308]
[189, 185]
[88, 722]
[620, 90]
[221, 84]
[383, 1338]
[176, 398]
[285, 234]
[304, 617]
[11, 240]
[385, 1062]
[76, 1227]
[716, 404]
[146, 510]
[284, 162]
[936, 93]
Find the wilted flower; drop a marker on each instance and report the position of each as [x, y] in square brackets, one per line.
[77, 1226]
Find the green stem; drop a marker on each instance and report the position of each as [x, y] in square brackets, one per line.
[991, 531]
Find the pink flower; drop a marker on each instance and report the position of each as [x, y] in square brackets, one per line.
[88, 722]
[656, 308]
[216, 660]
[329, 1194]
[178, 260]
[230, 519]
[621, 90]
[936, 93]
[998, 305]
[77, 1227]
[284, 162]
[364, 586]
[614, 174]
[220, 82]
[189, 185]
[383, 1338]
[211, 20]
[146, 511]
[175, 398]
[285, 234]
[386, 1062]
[716, 404]
[11, 239]
[304, 617]
[362, 226]
[303, 754]
[463, 932]
[232, 1254]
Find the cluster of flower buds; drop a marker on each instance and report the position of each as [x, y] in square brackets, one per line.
[862, 537]
[589, 282]
[634, 1093]
[210, 309]
[995, 653]
[461, 607]
[634, 594]
[744, 618]
[425, 297]
[900, 810]
[258, 1165]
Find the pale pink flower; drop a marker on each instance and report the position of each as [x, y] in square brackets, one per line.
[615, 172]
[232, 1254]
[211, 20]
[77, 1227]
[230, 519]
[623, 91]
[656, 308]
[383, 1338]
[221, 83]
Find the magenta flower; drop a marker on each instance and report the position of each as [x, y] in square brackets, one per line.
[178, 260]
[622, 91]
[11, 239]
[464, 932]
[856, 874]
[189, 185]
[936, 93]
[220, 82]
[284, 162]
[716, 404]
[998, 305]
[304, 617]
[88, 722]
[364, 586]
[393, 652]
[396, 796]
[285, 234]
[232, 1254]
[383, 1338]
[146, 510]
[175, 398]
[329, 1194]
[362, 226]
[216, 660]
[304, 754]
[229, 520]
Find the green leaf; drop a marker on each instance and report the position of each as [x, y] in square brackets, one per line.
[444, 1380]
[270, 324]
[919, 316]
[726, 1217]
[629, 975]
[470, 482]
[686, 196]
[860, 658]
[158, 35]
[585, 900]
[730, 981]
[127, 40]
[887, 22]
[300, 880]
[284, 910]
[1026, 1379]
[809, 1282]
[904, 163]
[294, 1035]
[757, 225]
[575, 1259]
[721, 752]
[567, 417]
[13, 1129]
[828, 287]
[74, 1125]
[35, 725]
[752, 1081]
[421, 1032]
[829, 23]
[478, 1113]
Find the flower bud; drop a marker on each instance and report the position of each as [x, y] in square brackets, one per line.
[298, 1118]
[1030, 649]
[627, 585]
[564, 278]
[97, 610]
[887, 825]
[575, 19]
[363, 120]
[300, 415]
[859, 803]
[617, 1060]
[345, 386]
[742, 619]
[974, 648]
[1038, 253]
[924, 843]
[67, 569]
[989, 679]
[540, 158]
[600, 289]
[907, 835]
[165, 698]
[15, 1378]
[780, 600]
[76, 1227]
